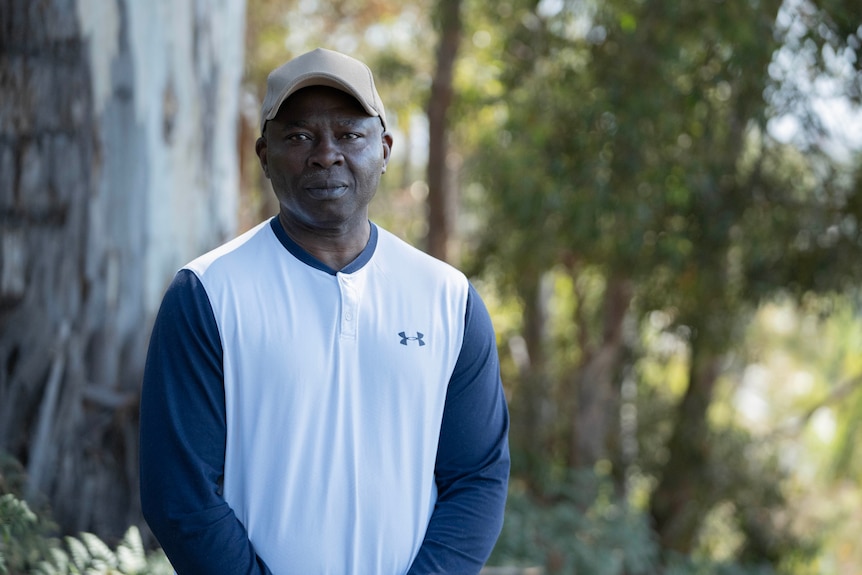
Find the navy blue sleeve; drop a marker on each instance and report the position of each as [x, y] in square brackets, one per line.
[472, 469]
[182, 440]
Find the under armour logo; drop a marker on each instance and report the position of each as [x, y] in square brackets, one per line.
[418, 338]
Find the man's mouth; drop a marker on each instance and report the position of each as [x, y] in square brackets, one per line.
[326, 190]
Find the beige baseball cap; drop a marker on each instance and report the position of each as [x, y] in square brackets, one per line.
[321, 67]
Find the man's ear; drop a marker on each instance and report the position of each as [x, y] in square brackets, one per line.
[387, 149]
[260, 149]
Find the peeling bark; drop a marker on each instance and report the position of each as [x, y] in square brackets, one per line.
[118, 163]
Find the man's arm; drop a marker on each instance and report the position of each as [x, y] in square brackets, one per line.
[472, 469]
[182, 442]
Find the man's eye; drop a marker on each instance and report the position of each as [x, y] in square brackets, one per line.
[351, 136]
[297, 137]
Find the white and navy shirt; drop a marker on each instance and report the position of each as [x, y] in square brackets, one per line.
[299, 419]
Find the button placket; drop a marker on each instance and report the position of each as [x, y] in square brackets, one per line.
[349, 305]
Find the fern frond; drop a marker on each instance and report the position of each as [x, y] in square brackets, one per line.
[101, 555]
[57, 563]
[79, 555]
[131, 556]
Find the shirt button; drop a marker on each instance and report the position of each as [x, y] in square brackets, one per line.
[348, 316]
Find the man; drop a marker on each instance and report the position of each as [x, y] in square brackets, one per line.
[320, 397]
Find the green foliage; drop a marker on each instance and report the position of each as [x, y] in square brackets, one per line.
[807, 375]
[581, 525]
[577, 526]
[627, 144]
[28, 544]
[87, 554]
[22, 543]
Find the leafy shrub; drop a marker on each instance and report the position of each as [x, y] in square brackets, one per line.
[566, 534]
[580, 525]
[21, 542]
[26, 547]
[28, 542]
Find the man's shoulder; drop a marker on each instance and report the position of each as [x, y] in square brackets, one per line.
[399, 252]
[232, 253]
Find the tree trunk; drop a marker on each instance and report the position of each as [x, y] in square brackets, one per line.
[532, 405]
[680, 500]
[118, 163]
[596, 417]
[440, 189]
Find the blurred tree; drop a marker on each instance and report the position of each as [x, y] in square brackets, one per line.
[266, 26]
[801, 392]
[440, 185]
[634, 160]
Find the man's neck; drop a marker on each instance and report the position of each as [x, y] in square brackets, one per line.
[335, 248]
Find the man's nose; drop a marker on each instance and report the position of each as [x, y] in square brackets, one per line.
[326, 153]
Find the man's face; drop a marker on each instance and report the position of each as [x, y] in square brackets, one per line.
[324, 155]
